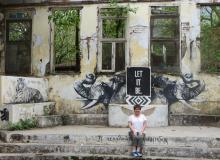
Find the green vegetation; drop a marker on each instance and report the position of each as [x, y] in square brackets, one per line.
[23, 124]
[210, 38]
[66, 35]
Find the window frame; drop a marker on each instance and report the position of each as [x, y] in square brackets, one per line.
[8, 20]
[175, 40]
[113, 41]
[77, 67]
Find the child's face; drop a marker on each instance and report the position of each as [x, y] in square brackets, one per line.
[137, 111]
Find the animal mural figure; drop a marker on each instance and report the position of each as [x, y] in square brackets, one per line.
[100, 92]
[182, 90]
[25, 94]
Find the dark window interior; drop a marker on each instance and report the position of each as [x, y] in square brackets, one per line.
[165, 39]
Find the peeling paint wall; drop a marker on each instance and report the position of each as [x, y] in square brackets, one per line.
[137, 53]
[40, 41]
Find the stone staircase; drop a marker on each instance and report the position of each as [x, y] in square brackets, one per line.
[100, 142]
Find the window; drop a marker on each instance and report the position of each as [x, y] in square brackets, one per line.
[18, 42]
[164, 39]
[112, 40]
[66, 40]
[210, 38]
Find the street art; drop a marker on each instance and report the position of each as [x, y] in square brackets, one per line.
[100, 92]
[4, 114]
[25, 94]
[182, 90]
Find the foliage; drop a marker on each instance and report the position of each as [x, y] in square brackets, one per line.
[66, 23]
[121, 10]
[23, 124]
[210, 42]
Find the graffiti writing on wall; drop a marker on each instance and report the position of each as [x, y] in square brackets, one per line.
[101, 92]
[182, 90]
[159, 139]
[25, 94]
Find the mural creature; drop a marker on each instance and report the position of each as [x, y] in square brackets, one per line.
[99, 92]
[26, 94]
[182, 90]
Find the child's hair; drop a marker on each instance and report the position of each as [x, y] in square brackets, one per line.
[137, 106]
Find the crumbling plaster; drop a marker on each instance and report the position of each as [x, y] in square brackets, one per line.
[137, 53]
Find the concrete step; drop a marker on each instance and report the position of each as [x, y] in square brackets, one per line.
[71, 156]
[210, 142]
[101, 135]
[159, 151]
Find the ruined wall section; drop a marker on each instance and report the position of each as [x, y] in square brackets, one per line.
[40, 41]
[61, 87]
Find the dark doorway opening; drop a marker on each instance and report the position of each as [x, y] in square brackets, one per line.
[18, 47]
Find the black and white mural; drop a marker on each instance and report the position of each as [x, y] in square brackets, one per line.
[166, 90]
[25, 94]
[182, 90]
[101, 92]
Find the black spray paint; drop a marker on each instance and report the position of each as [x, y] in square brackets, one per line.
[182, 90]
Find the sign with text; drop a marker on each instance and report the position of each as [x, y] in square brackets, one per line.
[138, 81]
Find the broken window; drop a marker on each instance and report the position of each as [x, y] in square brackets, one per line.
[112, 39]
[165, 38]
[66, 39]
[18, 43]
[210, 38]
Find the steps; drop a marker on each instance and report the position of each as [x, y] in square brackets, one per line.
[172, 142]
[69, 156]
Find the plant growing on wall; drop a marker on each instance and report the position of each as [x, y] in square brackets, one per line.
[23, 124]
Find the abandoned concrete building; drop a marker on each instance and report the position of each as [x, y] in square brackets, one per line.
[70, 56]
[64, 62]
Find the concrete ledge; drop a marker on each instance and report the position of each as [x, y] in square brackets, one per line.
[49, 121]
[194, 120]
[85, 119]
[74, 156]
[170, 151]
[157, 115]
[29, 110]
[10, 85]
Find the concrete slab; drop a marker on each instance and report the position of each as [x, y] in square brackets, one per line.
[191, 142]
[74, 156]
[171, 131]
[157, 115]
[28, 110]
[23, 89]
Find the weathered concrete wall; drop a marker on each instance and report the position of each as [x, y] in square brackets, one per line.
[23, 90]
[40, 41]
[157, 115]
[61, 87]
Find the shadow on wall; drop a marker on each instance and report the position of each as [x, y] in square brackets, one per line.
[114, 91]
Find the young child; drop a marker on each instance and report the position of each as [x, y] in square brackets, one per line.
[137, 124]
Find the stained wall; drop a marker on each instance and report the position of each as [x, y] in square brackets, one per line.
[61, 86]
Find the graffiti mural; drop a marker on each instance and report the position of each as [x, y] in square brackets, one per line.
[181, 90]
[100, 92]
[114, 91]
[25, 94]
